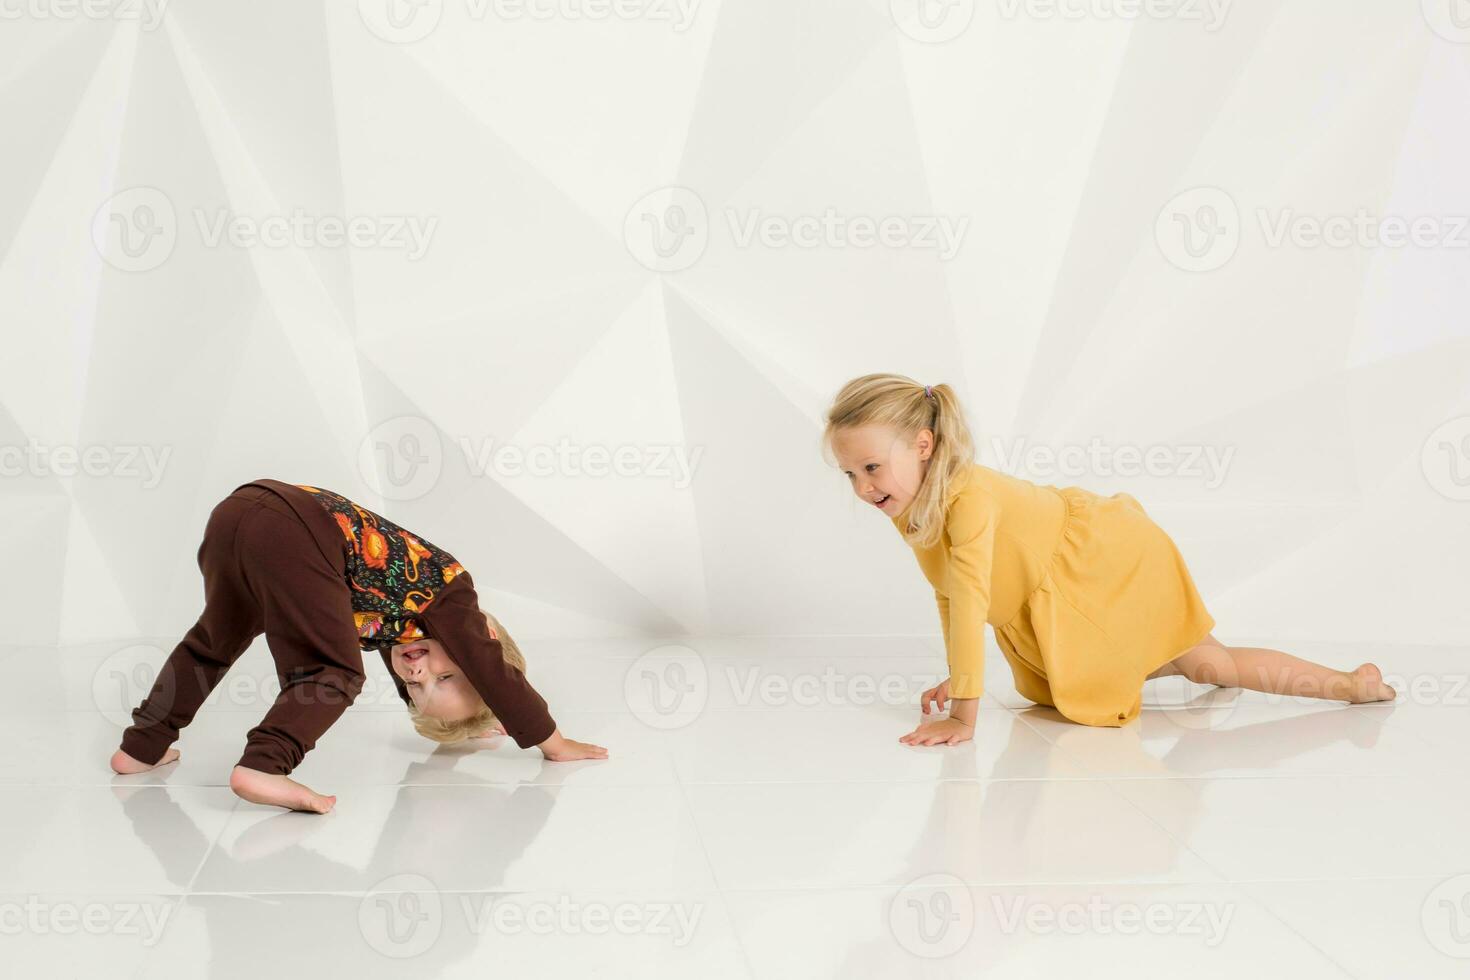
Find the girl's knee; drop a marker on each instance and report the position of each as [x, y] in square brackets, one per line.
[1038, 692]
[1085, 711]
[1209, 665]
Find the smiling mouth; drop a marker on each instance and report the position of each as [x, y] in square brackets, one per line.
[882, 500]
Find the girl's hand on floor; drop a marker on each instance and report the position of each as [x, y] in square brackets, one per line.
[939, 695]
[946, 731]
[558, 748]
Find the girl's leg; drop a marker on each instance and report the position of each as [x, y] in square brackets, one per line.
[1275, 672]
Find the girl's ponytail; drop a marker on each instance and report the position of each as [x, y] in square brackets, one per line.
[954, 452]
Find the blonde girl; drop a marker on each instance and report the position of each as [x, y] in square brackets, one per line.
[1088, 597]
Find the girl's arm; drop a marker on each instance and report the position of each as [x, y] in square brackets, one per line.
[958, 727]
[970, 525]
[971, 529]
[964, 710]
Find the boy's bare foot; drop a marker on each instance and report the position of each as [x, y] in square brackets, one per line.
[125, 765]
[274, 789]
[1368, 685]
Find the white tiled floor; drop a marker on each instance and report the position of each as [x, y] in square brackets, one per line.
[776, 829]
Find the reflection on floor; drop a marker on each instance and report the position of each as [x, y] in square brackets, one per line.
[757, 818]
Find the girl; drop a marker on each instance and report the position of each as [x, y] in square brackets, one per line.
[1088, 597]
[324, 579]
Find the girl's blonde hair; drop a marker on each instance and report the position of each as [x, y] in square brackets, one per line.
[449, 732]
[907, 406]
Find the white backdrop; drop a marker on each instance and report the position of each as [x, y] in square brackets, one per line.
[566, 287]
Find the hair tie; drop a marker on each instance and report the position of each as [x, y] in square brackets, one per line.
[927, 392]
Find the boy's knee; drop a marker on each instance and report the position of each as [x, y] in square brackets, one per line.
[352, 685]
[330, 686]
[348, 687]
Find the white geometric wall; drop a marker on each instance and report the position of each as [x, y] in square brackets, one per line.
[672, 228]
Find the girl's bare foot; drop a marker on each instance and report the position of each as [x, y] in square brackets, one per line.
[125, 765]
[274, 789]
[1368, 685]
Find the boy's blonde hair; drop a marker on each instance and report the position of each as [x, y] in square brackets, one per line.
[449, 732]
[907, 406]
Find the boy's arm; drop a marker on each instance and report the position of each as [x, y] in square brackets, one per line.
[455, 620]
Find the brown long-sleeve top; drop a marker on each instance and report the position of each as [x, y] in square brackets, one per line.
[404, 588]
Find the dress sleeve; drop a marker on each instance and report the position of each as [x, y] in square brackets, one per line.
[455, 620]
[942, 601]
[971, 529]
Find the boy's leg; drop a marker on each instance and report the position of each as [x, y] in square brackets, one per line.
[307, 614]
[230, 620]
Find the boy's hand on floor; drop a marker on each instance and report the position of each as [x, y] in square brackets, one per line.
[558, 748]
[947, 731]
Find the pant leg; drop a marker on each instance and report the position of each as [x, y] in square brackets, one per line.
[231, 619]
[307, 613]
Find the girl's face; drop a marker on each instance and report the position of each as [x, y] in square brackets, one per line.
[884, 468]
[435, 683]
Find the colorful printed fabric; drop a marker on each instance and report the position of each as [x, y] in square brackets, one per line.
[393, 575]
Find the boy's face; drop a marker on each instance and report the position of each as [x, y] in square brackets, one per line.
[883, 467]
[435, 683]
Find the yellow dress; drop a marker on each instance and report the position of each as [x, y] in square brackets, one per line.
[1087, 595]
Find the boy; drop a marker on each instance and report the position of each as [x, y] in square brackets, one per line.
[324, 579]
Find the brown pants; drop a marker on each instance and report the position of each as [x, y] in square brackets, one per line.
[263, 573]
